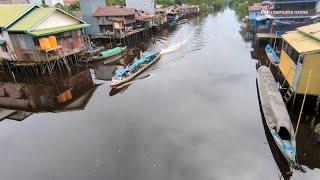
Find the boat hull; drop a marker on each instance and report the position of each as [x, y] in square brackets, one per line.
[276, 114]
[126, 80]
[110, 58]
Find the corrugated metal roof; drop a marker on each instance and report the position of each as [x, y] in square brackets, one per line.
[10, 13]
[301, 42]
[113, 11]
[267, 36]
[56, 30]
[312, 30]
[32, 19]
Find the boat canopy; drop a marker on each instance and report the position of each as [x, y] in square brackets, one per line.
[272, 53]
[145, 59]
[2, 41]
[111, 51]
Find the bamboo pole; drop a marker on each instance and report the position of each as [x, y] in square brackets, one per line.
[303, 102]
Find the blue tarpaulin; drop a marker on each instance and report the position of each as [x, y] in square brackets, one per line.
[272, 54]
[2, 41]
[145, 59]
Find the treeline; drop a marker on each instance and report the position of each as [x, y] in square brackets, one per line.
[116, 2]
[76, 7]
[204, 4]
[241, 6]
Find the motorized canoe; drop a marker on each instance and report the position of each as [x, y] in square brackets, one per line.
[122, 77]
[112, 54]
[276, 114]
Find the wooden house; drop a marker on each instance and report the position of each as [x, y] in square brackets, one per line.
[8, 15]
[31, 34]
[280, 16]
[148, 20]
[114, 21]
[308, 5]
[190, 9]
[300, 55]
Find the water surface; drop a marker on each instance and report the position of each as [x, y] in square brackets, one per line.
[196, 116]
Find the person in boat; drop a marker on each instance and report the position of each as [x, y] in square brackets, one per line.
[118, 70]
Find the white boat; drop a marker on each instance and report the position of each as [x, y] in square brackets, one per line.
[276, 115]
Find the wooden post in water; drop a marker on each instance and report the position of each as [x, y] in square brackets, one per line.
[303, 102]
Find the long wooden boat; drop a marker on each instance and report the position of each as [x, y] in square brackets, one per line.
[111, 54]
[123, 80]
[276, 115]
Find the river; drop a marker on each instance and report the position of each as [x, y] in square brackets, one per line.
[196, 116]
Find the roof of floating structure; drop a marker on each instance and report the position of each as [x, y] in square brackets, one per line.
[113, 11]
[267, 35]
[32, 19]
[29, 22]
[305, 39]
[11, 13]
[58, 29]
[312, 30]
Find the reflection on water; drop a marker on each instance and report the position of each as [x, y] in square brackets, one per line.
[194, 115]
[56, 93]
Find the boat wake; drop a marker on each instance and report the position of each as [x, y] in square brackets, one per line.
[182, 37]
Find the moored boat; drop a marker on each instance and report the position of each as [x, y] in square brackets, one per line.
[276, 115]
[112, 54]
[132, 71]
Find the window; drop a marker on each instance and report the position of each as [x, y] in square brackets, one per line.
[294, 56]
[292, 53]
[285, 46]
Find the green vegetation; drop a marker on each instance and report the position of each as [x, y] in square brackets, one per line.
[163, 2]
[241, 6]
[204, 4]
[71, 8]
[116, 2]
